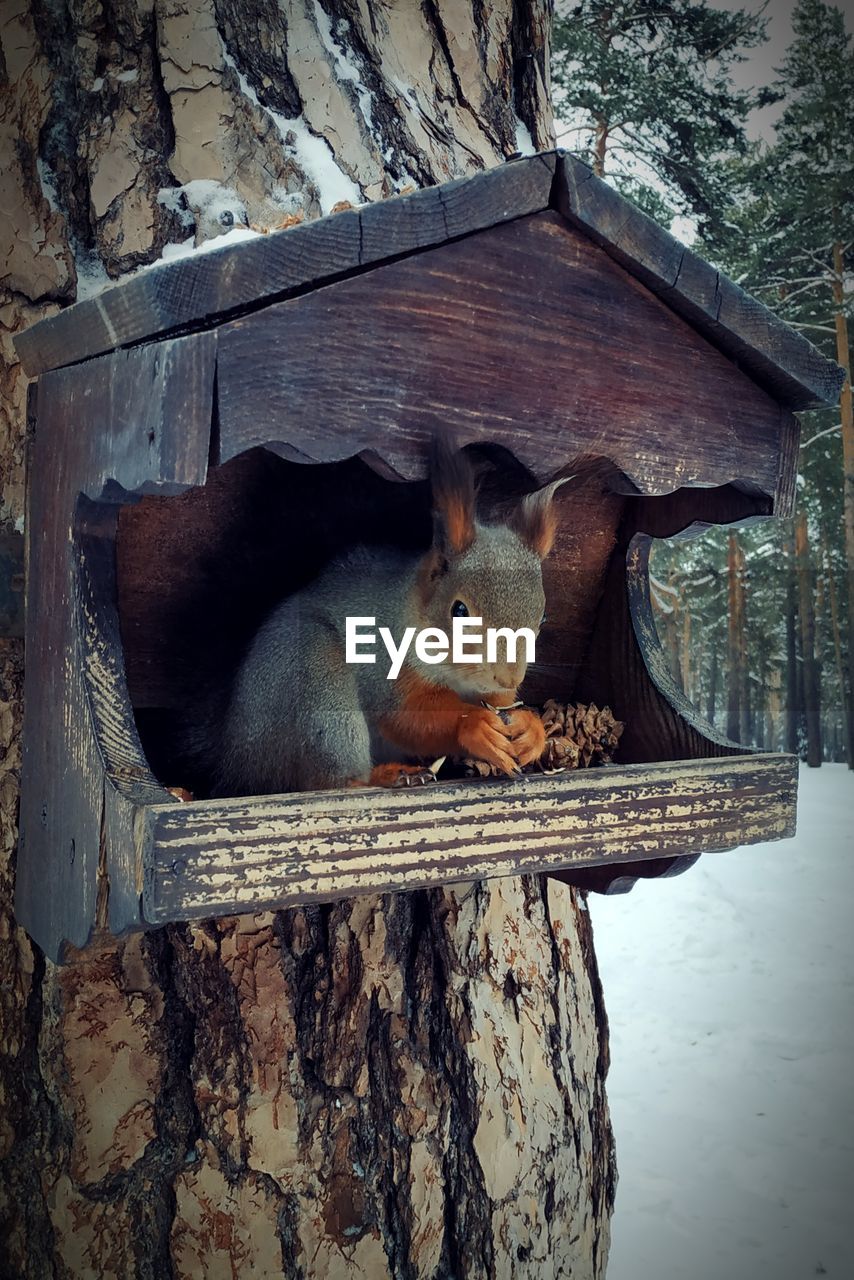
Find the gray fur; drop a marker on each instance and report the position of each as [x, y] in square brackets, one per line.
[299, 717]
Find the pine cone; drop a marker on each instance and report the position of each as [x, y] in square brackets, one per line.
[578, 736]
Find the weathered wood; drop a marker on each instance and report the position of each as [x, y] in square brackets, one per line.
[614, 879]
[501, 338]
[199, 290]
[778, 357]
[127, 778]
[133, 421]
[212, 857]
[203, 289]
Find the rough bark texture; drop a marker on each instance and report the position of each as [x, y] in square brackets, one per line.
[846, 411]
[406, 1086]
[806, 608]
[736, 674]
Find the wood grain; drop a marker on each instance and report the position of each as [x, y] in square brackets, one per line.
[199, 290]
[204, 289]
[528, 336]
[127, 778]
[215, 857]
[129, 422]
[778, 357]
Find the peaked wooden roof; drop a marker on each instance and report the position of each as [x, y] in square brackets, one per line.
[199, 291]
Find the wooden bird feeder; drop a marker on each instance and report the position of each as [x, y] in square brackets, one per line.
[529, 308]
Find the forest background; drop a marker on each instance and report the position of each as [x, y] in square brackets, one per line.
[733, 127]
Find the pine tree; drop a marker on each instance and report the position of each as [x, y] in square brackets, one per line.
[645, 88]
[789, 240]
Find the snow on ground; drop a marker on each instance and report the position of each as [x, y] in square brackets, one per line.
[730, 993]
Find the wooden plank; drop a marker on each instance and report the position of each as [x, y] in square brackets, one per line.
[128, 781]
[215, 857]
[503, 338]
[198, 290]
[131, 422]
[780, 359]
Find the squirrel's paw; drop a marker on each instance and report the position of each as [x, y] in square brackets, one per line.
[401, 775]
[483, 734]
[527, 734]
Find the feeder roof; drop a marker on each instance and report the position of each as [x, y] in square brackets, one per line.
[201, 290]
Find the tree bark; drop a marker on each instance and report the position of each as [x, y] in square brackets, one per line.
[793, 702]
[846, 409]
[402, 1086]
[713, 684]
[844, 705]
[812, 688]
[686, 649]
[736, 683]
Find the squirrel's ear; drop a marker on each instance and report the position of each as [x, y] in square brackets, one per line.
[453, 490]
[535, 519]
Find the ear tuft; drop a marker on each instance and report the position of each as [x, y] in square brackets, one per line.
[535, 519]
[453, 490]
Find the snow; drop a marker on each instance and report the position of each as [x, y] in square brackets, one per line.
[204, 203]
[172, 198]
[313, 153]
[524, 141]
[729, 991]
[92, 277]
[344, 67]
[47, 181]
[188, 248]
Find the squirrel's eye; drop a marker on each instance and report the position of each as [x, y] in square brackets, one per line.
[459, 610]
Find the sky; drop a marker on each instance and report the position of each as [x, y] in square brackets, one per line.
[760, 67]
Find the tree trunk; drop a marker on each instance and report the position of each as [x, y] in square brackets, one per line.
[773, 736]
[846, 408]
[844, 704]
[812, 693]
[736, 683]
[673, 631]
[713, 684]
[792, 699]
[686, 646]
[405, 1086]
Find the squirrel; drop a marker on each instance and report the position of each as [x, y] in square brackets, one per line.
[299, 717]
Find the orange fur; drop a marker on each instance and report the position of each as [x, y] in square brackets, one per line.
[452, 484]
[459, 525]
[433, 721]
[536, 520]
[542, 535]
[388, 775]
[426, 719]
